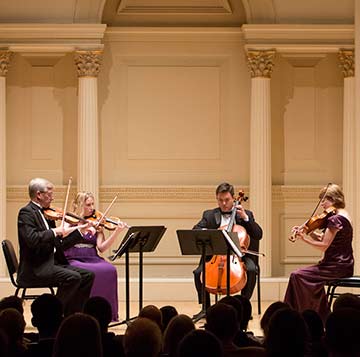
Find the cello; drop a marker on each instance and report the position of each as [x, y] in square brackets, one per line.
[215, 277]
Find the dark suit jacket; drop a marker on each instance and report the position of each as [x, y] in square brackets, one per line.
[37, 245]
[211, 219]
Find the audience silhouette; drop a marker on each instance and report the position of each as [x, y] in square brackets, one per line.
[286, 331]
[100, 308]
[78, 335]
[47, 315]
[178, 327]
[287, 334]
[167, 313]
[200, 343]
[142, 338]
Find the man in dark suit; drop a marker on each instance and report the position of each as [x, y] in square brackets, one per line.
[219, 217]
[42, 261]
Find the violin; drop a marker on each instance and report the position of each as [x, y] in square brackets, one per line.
[215, 277]
[109, 223]
[313, 223]
[54, 213]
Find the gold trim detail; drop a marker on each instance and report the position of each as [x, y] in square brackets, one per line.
[5, 57]
[88, 63]
[347, 62]
[260, 63]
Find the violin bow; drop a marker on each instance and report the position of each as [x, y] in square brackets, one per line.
[66, 201]
[106, 211]
[293, 236]
[321, 198]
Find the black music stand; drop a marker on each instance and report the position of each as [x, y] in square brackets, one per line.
[209, 242]
[137, 240]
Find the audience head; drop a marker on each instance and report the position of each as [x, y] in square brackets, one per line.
[100, 308]
[167, 313]
[236, 304]
[222, 321]
[4, 351]
[152, 313]
[142, 338]
[177, 328]
[342, 333]
[12, 302]
[347, 300]
[314, 324]
[275, 306]
[47, 314]
[247, 311]
[287, 334]
[78, 335]
[200, 343]
[12, 323]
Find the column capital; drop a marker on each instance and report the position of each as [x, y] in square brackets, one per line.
[260, 62]
[5, 57]
[88, 63]
[347, 62]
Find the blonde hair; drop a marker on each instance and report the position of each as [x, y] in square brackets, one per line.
[79, 202]
[333, 193]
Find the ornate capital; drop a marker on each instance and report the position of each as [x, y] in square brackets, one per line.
[5, 57]
[88, 63]
[347, 62]
[260, 63]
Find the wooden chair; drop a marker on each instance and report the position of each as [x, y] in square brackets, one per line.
[332, 285]
[12, 266]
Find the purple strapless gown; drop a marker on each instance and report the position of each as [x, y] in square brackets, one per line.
[306, 286]
[84, 255]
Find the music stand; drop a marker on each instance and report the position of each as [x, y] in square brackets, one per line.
[209, 242]
[137, 240]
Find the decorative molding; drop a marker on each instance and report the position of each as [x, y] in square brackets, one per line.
[347, 62]
[294, 194]
[260, 63]
[5, 57]
[173, 34]
[88, 63]
[51, 37]
[176, 7]
[303, 59]
[299, 38]
[290, 194]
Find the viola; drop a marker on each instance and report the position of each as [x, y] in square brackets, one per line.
[215, 277]
[109, 223]
[313, 223]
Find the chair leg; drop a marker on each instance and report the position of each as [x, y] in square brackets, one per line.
[17, 291]
[331, 296]
[258, 290]
[23, 293]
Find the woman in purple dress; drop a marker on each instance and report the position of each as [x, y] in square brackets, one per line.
[81, 249]
[306, 286]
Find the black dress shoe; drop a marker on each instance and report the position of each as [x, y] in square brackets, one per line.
[200, 315]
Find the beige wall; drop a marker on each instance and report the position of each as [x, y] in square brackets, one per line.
[174, 113]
